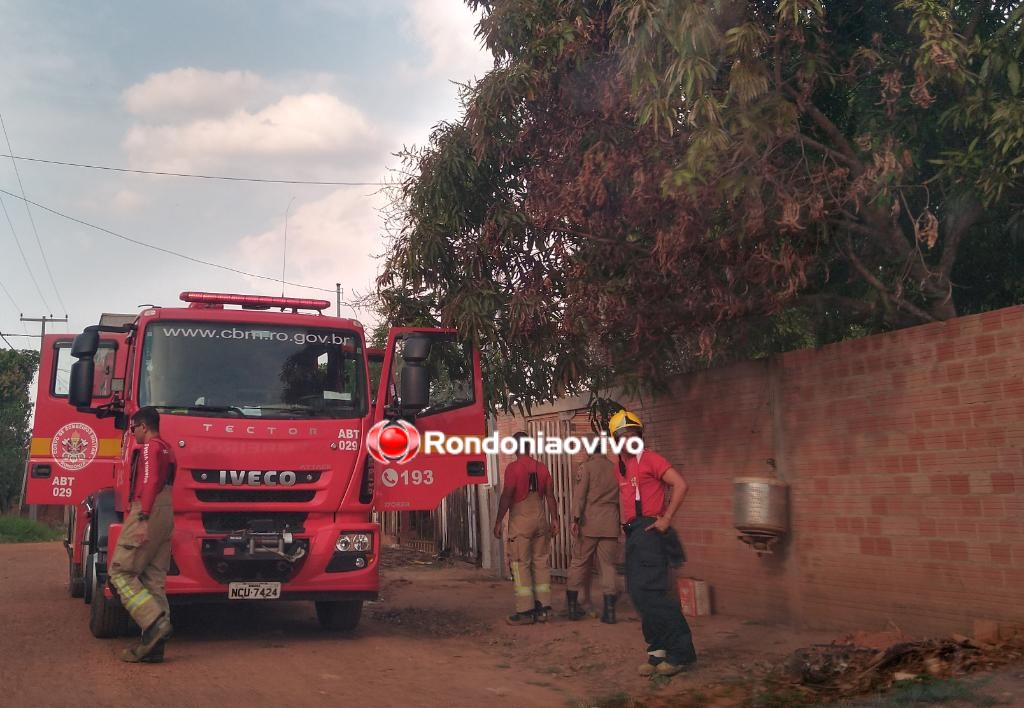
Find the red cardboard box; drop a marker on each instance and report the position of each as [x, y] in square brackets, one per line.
[694, 597]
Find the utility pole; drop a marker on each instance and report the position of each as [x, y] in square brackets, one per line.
[337, 293]
[33, 512]
[43, 320]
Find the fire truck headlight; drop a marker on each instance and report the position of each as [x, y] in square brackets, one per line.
[352, 541]
[344, 542]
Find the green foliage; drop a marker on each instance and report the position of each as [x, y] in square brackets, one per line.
[640, 187]
[16, 371]
[14, 529]
[929, 691]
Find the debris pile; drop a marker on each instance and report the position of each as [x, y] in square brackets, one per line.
[845, 668]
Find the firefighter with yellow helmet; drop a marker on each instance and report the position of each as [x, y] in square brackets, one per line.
[652, 548]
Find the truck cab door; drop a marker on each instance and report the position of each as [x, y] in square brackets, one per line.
[418, 479]
[73, 454]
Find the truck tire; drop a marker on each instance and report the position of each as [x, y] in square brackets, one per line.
[76, 581]
[90, 570]
[339, 616]
[107, 619]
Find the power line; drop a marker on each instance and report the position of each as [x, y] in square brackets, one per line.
[10, 297]
[348, 183]
[32, 220]
[3, 337]
[21, 250]
[162, 249]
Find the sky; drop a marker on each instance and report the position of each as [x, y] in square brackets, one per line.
[323, 90]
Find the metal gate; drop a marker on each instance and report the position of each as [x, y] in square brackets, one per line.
[460, 526]
[557, 425]
[452, 529]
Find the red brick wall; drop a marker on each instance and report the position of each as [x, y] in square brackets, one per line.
[904, 452]
[904, 457]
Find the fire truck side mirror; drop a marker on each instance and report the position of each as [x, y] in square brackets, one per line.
[86, 344]
[83, 371]
[416, 349]
[80, 389]
[415, 388]
[415, 379]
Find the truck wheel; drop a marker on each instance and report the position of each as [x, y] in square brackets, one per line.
[339, 616]
[107, 618]
[90, 571]
[76, 582]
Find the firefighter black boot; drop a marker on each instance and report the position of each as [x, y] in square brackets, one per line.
[572, 599]
[609, 610]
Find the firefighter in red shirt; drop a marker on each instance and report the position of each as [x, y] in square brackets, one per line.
[526, 492]
[138, 570]
[652, 546]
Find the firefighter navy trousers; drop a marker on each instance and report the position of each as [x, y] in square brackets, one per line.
[649, 581]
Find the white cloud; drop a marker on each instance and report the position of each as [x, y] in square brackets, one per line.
[447, 29]
[334, 239]
[315, 125]
[126, 200]
[193, 91]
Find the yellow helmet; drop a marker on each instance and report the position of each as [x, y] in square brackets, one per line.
[624, 419]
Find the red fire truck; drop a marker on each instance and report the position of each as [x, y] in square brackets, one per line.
[267, 403]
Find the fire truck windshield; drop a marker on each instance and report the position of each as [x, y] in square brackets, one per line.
[218, 369]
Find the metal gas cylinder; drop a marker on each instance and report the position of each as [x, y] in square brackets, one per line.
[760, 511]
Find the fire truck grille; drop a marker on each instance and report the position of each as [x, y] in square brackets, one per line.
[229, 521]
[244, 496]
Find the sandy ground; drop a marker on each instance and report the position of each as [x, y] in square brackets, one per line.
[436, 638]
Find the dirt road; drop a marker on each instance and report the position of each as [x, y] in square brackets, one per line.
[436, 638]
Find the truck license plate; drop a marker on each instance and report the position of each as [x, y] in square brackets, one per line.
[254, 591]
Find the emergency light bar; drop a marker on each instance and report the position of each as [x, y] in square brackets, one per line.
[254, 301]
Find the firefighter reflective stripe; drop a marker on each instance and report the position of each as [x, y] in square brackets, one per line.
[142, 596]
[531, 570]
[517, 580]
[130, 599]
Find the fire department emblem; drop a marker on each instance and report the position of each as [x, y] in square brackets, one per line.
[74, 446]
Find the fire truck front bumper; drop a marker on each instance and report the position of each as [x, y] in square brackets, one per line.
[322, 561]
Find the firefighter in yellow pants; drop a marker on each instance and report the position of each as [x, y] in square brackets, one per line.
[138, 570]
[139, 573]
[528, 497]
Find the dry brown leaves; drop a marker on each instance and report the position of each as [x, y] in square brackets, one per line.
[926, 228]
[845, 669]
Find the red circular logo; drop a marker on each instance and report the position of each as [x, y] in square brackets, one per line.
[74, 446]
[393, 441]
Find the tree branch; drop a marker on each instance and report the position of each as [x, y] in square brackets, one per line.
[874, 282]
[812, 143]
[777, 50]
[830, 129]
[972, 25]
[951, 243]
[856, 310]
[860, 309]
